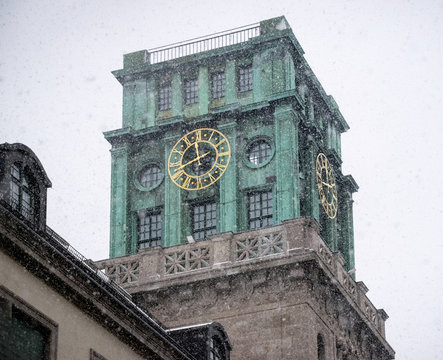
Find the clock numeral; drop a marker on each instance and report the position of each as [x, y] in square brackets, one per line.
[178, 152]
[175, 176]
[187, 141]
[220, 142]
[199, 183]
[174, 164]
[223, 154]
[186, 182]
[212, 134]
[212, 178]
[220, 166]
[198, 135]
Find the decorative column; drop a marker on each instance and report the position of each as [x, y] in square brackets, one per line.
[311, 190]
[128, 104]
[119, 201]
[286, 152]
[172, 210]
[140, 104]
[228, 184]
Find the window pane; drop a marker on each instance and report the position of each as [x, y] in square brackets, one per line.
[218, 85]
[259, 152]
[191, 92]
[260, 209]
[150, 229]
[150, 175]
[165, 97]
[204, 220]
[245, 78]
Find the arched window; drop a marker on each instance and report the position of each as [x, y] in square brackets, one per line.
[22, 192]
[320, 347]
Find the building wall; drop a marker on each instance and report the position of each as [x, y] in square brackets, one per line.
[77, 332]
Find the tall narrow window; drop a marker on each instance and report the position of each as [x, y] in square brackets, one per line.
[165, 97]
[245, 78]
[204, 220]
[191, 92]
[22, 192]
[149, 228]
[260, 209]
[218, 85]
[320, 347]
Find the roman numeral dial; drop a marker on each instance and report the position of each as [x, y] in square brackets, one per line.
[199, 159]
[327, 188]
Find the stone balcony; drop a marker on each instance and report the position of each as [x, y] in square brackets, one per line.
[227, 254]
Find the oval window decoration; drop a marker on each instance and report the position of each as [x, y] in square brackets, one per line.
[259, 152]
[150, 175]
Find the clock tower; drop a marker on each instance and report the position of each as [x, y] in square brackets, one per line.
[228, 198]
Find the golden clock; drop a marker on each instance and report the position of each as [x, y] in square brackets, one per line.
[199, 159]
[327, 188]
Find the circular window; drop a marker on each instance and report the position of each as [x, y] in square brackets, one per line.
[259, 152]
[149, 176]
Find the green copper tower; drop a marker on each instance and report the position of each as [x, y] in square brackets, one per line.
[227, 133]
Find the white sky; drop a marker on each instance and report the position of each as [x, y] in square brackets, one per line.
[381, 60]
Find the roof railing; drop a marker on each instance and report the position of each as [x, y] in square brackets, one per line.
[86, 262]
[205, 43]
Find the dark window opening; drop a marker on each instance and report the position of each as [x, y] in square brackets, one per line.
[150, 175]
[149, 229]
[259, 152]
[165, 97]
[204, 220]
[245, 78]
[22, 192]
[320, 348]
[25, 334]
[218, 85]
[259, 209]
[191, 92]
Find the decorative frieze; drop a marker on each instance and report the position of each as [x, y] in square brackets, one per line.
[186, 260]
[122, 273]
[259, 246]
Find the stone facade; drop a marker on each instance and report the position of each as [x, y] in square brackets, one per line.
[274, 290]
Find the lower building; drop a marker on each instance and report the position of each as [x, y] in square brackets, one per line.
[55, 304]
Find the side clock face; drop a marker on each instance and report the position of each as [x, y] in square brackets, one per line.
[327, 189]
[199, 159]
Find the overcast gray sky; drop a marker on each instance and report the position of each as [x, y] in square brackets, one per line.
[381, 60]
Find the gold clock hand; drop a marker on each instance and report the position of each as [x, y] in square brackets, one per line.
[190, 162]
[196, 150]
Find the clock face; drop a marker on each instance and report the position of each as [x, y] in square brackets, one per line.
[327, 189]
[199, 159]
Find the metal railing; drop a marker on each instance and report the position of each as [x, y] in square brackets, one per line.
[205, 43]
[86, 262]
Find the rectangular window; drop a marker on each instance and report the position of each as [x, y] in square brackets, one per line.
[191, 92]
[245, 78]
[149, 229]
[259, 209]
[165, 97]
[25, 333]
[218, 85]
[204, 220]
